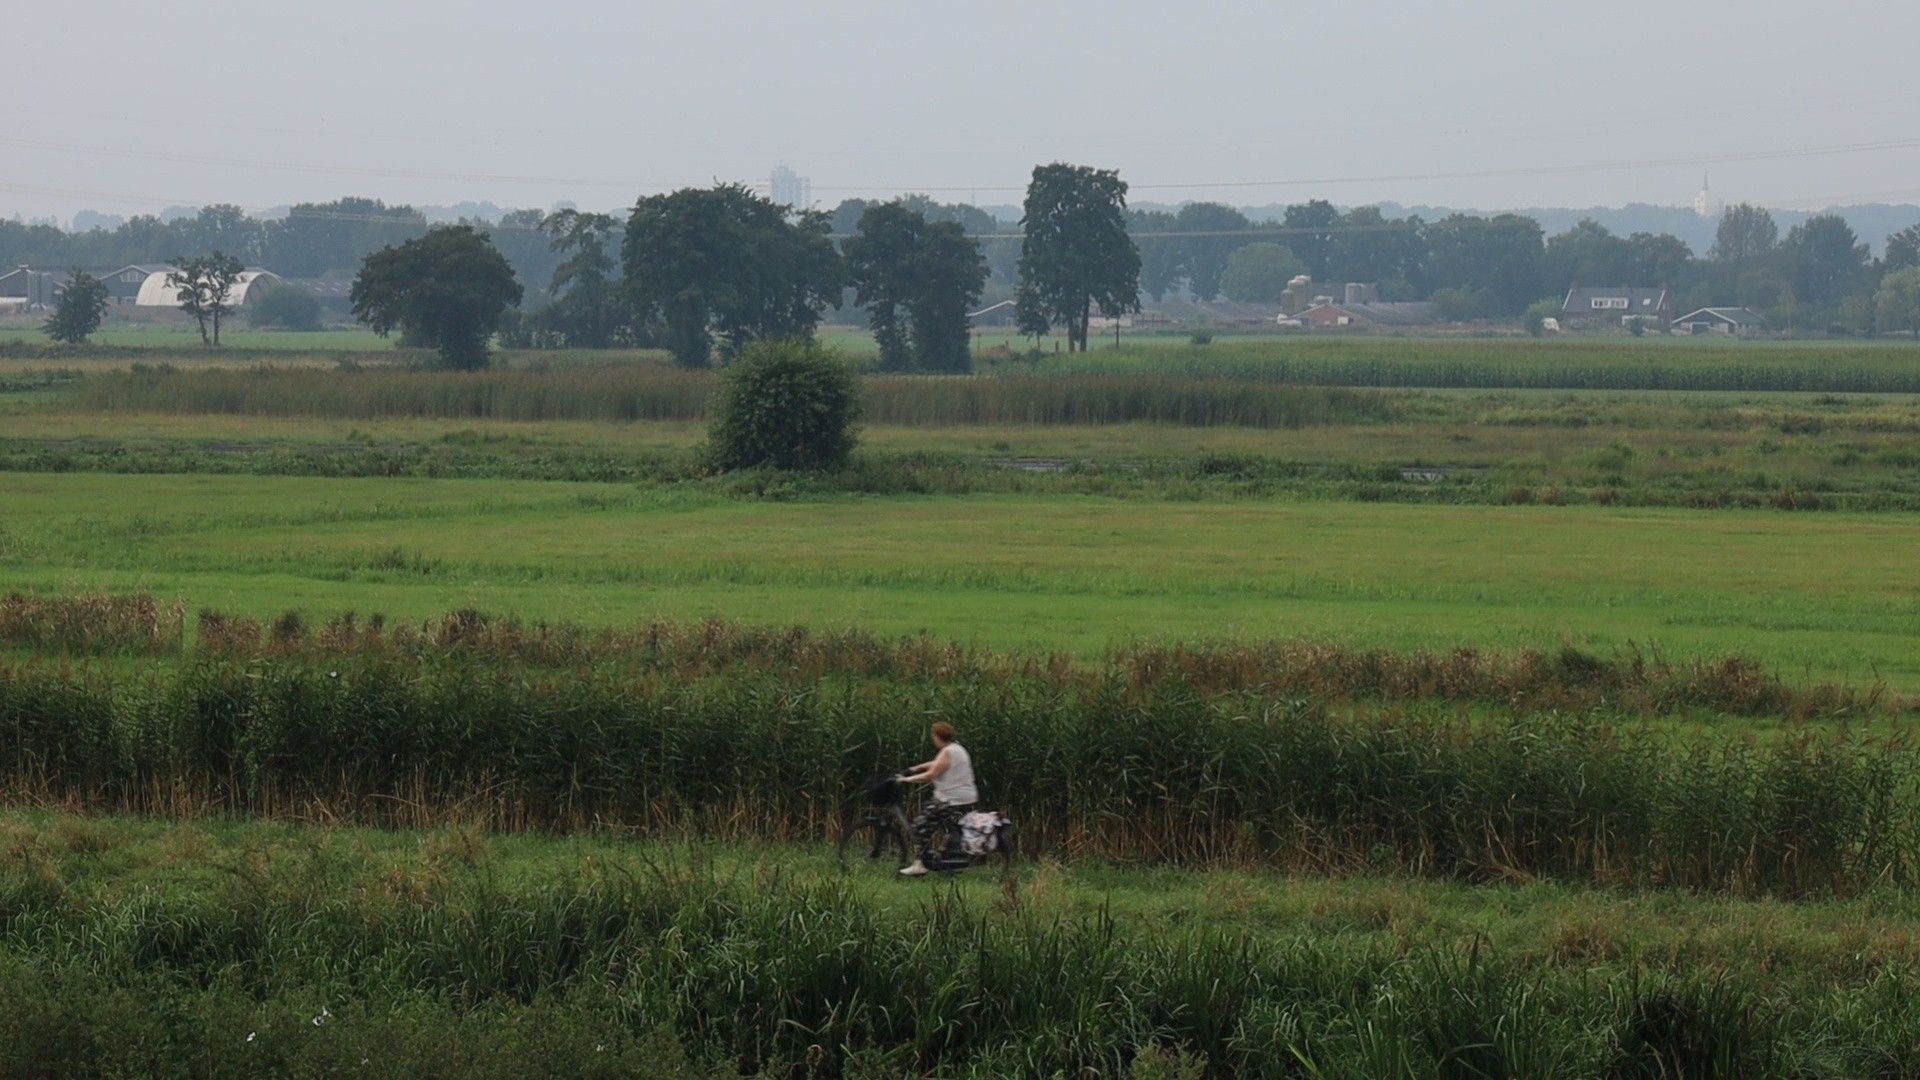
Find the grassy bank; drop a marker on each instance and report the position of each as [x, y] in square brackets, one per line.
[245, 949]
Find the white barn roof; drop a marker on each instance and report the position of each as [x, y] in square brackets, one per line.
[155, 292]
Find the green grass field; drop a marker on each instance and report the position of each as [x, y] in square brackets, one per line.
[1821, 596]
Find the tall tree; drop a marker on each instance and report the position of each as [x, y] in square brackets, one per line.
[726, 263]
[1371, 247]
[203, 287]
[77, 314]
[1310, 234]
[1498, 257]
[1897, 304]
[587, 303]
[1824, 259]
[1746, 233]
[1162, 258]
[917, 279]
[1204, 257]
[1258, 273]
[446, 289]
[1076, 254]
[1903, 249]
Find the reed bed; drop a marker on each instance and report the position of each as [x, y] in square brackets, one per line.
[290, 968]
[1113, 763]
[629, 392]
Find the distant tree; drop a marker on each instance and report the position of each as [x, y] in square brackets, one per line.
[1498, 258]
[1896, 305]
[317, 237]
[1824, 259]
[1077, 254]
[1590, 254]
[787, 405]
[203, 287]
[1162, 258]
[1204, 257]
[446, 289]
[586, 309]
[1258, 273]
[1310, 234]
[917, 278]
[1371, 247]
[1903, 249]
[81, 307]
[1746, 233]
[726, 263]
[1658, 258]
[289, 307]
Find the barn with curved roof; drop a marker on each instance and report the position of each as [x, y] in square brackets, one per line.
[155, 292]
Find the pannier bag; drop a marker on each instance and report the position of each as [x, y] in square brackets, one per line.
[980, 831]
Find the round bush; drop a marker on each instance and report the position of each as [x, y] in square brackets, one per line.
[785, 405]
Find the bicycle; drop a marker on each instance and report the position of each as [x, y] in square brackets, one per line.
[882, 824]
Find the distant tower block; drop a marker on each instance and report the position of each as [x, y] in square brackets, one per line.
[1704, 203]
[789, 189]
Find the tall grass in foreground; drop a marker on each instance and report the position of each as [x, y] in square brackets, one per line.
[1148, 756]
[657, 392]
[453, 971]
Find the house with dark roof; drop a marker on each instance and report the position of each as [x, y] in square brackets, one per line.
[1594, 304]
[26, 289]
[1720, 320]
[1328, 315]
[123, 285]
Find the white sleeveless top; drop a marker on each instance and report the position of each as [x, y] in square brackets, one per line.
[955, 786]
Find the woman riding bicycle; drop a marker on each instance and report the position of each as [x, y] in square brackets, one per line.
[951, 773]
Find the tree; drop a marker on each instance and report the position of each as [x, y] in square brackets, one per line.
[1371, 247]
[917, 278]
[446, 289]
[586, 309]
[1896, 305]
[1658, 258]
[785, 404]
[1746, 233]
[1824, 259]
[726, 263]
[1258, 273]
[1497, 258]
[317, 237]
[203, 287]
[81, 307]
[1076, 254]
[1903, 249]
[287, 306]
[1162, 258]
[1204, 258]
[1310, 234]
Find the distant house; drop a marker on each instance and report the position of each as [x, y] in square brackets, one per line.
[1720, 320]
[1329, 315]
[123, 285]
[1616, 304]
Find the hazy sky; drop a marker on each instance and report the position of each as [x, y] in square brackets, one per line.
[130, 107]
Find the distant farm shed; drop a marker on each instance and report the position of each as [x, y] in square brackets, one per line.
[1720, 320]
[155, 292]
[1329, 315]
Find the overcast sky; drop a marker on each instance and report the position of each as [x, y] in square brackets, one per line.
[130, 107]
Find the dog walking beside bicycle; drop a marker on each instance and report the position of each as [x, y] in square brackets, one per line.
[954, 794]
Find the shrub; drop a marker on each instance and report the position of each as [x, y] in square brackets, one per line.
[289, 307]
[82, 305]
[787, 405]
[1201, 337]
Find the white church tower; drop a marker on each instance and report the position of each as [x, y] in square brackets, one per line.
[1704, 203]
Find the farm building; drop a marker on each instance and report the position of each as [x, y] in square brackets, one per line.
[1720, 320]
[155, 292]
[1328, 315]
[26, 289]
[334, 293]
[123, 285]
[1616, 304]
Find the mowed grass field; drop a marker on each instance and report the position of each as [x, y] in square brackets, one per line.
[1823, 596]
